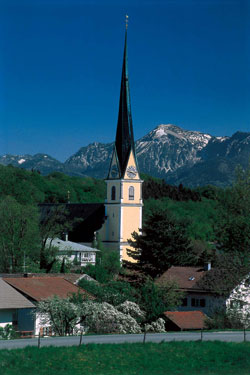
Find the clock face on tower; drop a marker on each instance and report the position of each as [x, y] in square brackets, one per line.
[131, 171]
[114, 171]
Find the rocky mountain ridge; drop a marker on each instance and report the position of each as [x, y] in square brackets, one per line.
[168, 151]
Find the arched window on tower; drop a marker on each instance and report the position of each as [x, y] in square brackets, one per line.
[113, 193]
[131, 193]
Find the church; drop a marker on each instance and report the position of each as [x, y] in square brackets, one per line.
[121, 214]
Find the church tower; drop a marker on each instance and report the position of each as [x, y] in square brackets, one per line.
[123, 206]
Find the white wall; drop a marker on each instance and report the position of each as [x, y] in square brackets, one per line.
[6, 316]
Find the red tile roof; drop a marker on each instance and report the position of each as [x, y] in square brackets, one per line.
[71, 277]
[40, 288]
[187, 319]
[186, 277]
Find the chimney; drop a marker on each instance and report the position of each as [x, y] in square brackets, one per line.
[65, 236]
[207, 266]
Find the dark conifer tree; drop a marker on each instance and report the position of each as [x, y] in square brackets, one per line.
[163, 243]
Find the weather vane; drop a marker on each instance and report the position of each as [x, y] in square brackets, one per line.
[126, 21]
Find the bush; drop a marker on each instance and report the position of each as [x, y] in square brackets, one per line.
[156, 327]
[8, 332]
[222, 319]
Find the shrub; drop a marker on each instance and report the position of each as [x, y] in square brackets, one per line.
[8, 332]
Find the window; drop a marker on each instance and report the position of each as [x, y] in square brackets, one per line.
[184, 302]
[198, 302]
[113, 193]
[202, 302]
[131, 193]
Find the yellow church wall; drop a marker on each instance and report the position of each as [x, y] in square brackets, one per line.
[110, 231]
[137, 192]
[110, 184]
[131, 221]
[113, 230]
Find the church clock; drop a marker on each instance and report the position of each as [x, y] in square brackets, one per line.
[131, 171]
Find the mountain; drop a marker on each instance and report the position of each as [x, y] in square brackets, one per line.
[42, 162]
[92, 160]
[170, 152]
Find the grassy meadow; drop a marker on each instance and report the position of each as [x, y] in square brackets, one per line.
[171, 358]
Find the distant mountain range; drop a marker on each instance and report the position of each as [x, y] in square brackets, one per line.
[169, 152]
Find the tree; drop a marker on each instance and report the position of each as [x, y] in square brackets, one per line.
[61, 314]
[19, 235]
[155, 299]
[107, 267]
[233, 229]
[163, 242]
[113, 292]
[53, 223]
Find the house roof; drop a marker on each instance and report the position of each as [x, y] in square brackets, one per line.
[187, 319]
[40, 288]
[12, 299]
[69, 245]
[186, 277]
[73, 278]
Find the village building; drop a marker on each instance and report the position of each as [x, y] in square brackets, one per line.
[77, 254]
[184, 320]
[205, 290]
[32, 289]
[15, 308]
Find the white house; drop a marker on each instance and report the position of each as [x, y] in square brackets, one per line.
[75, 252]
[239, 301]
[199, 286]
[15, 309]
[35, 289]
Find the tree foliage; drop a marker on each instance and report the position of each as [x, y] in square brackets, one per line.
[61, 315]
[163, 243]
[30, 187]
[19, 235]
[107, 266]
[156, 299]
[157, 189]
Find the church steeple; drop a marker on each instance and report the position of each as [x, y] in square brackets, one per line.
[124, 141]
[123, 206]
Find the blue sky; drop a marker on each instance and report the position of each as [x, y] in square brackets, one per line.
[61, 60]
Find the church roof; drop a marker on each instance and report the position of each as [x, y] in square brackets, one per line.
[86, 217]
[124, 141]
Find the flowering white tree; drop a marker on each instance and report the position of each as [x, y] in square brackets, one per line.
[132, 309]
[60, 314]
[63, 315]
[105, 318]
[156, 327]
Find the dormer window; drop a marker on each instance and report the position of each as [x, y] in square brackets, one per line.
[131, 193]
[113, 193]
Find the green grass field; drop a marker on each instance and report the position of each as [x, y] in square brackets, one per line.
[172, 358]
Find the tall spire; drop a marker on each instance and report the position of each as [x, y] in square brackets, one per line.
[124, 141]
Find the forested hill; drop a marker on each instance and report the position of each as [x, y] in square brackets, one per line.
[30, 187]
[196, 206]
